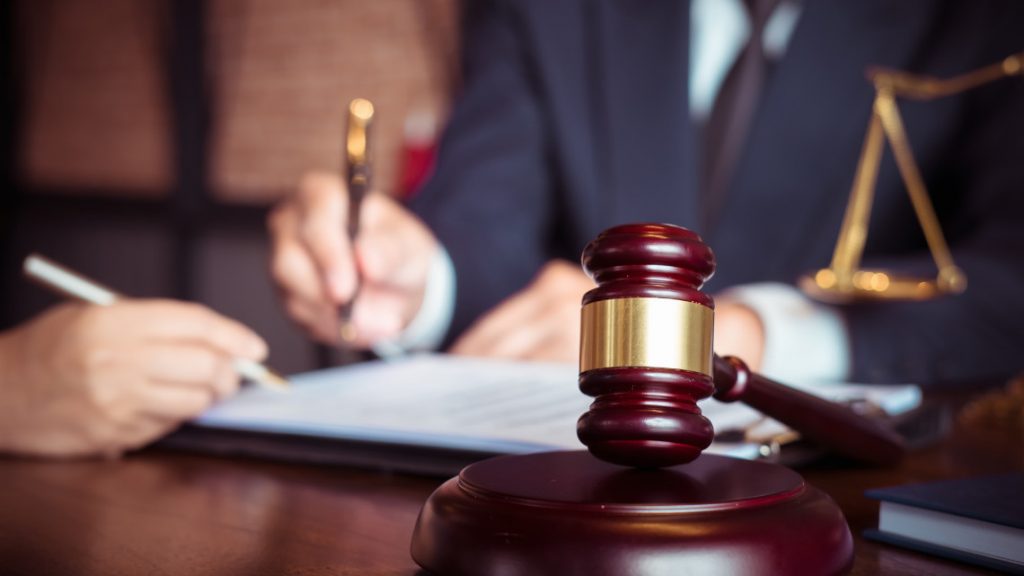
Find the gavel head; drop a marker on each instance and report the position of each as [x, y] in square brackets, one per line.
[645, 350]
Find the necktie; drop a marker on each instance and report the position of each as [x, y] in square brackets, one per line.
[733, 111]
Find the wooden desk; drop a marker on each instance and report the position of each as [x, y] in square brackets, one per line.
[166, 513]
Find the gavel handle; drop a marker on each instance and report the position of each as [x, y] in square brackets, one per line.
[828, 424]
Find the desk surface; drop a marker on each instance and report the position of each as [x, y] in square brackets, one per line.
[166, 513]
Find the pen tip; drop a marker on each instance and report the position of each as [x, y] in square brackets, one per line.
[348, 332]
[275, 380]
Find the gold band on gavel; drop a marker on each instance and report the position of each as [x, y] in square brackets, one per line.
[646, 332]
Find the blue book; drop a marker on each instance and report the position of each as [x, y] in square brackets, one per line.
[975, 520]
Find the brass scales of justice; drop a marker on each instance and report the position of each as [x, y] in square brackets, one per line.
[643, 498]
[844, 281]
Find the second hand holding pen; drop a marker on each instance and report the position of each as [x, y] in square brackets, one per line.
[357, 176]
[73, 285]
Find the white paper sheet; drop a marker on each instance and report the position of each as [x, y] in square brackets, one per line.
[466, 404]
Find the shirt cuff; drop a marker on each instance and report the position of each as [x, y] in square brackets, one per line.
[805, 341]
[428, 327]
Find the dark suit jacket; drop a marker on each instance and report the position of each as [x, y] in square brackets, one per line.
[574, 117]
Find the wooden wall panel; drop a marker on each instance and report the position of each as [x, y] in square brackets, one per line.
[97, 110]
[283, 72]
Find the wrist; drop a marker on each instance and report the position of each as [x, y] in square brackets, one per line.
[432, 318]
[803, 340]
[739, 332]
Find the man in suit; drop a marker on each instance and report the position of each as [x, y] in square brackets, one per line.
[579, 115]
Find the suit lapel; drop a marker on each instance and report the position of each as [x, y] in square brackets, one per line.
[794, 176]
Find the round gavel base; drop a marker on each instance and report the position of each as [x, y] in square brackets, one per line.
[570, 513]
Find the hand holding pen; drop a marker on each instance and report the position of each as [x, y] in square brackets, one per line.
[353, 262]
[68, 283]
[101, 379]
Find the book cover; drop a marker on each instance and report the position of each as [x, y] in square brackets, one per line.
[995, 499]
[975, 520]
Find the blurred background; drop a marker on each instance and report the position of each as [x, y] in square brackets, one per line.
[143, 141]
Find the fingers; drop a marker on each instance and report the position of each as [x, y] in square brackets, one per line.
[548, 333]
[169, 320]
[191, 365]
[311, 257]
[322, 208]
[508, 331]
[292, 266]
[318, 319]
[299, 282]
[395, 248]
[100, 379]
[175, 403]
[539, 323]
[318, 269]
[378, 315]
[162, 385]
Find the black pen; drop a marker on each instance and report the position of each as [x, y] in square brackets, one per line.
[357, 176]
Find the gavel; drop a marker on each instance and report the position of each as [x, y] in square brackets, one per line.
[641, 501]
[646, 358]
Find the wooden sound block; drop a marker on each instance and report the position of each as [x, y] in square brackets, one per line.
[570, 513]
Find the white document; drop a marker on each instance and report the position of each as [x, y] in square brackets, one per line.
[459, 403]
